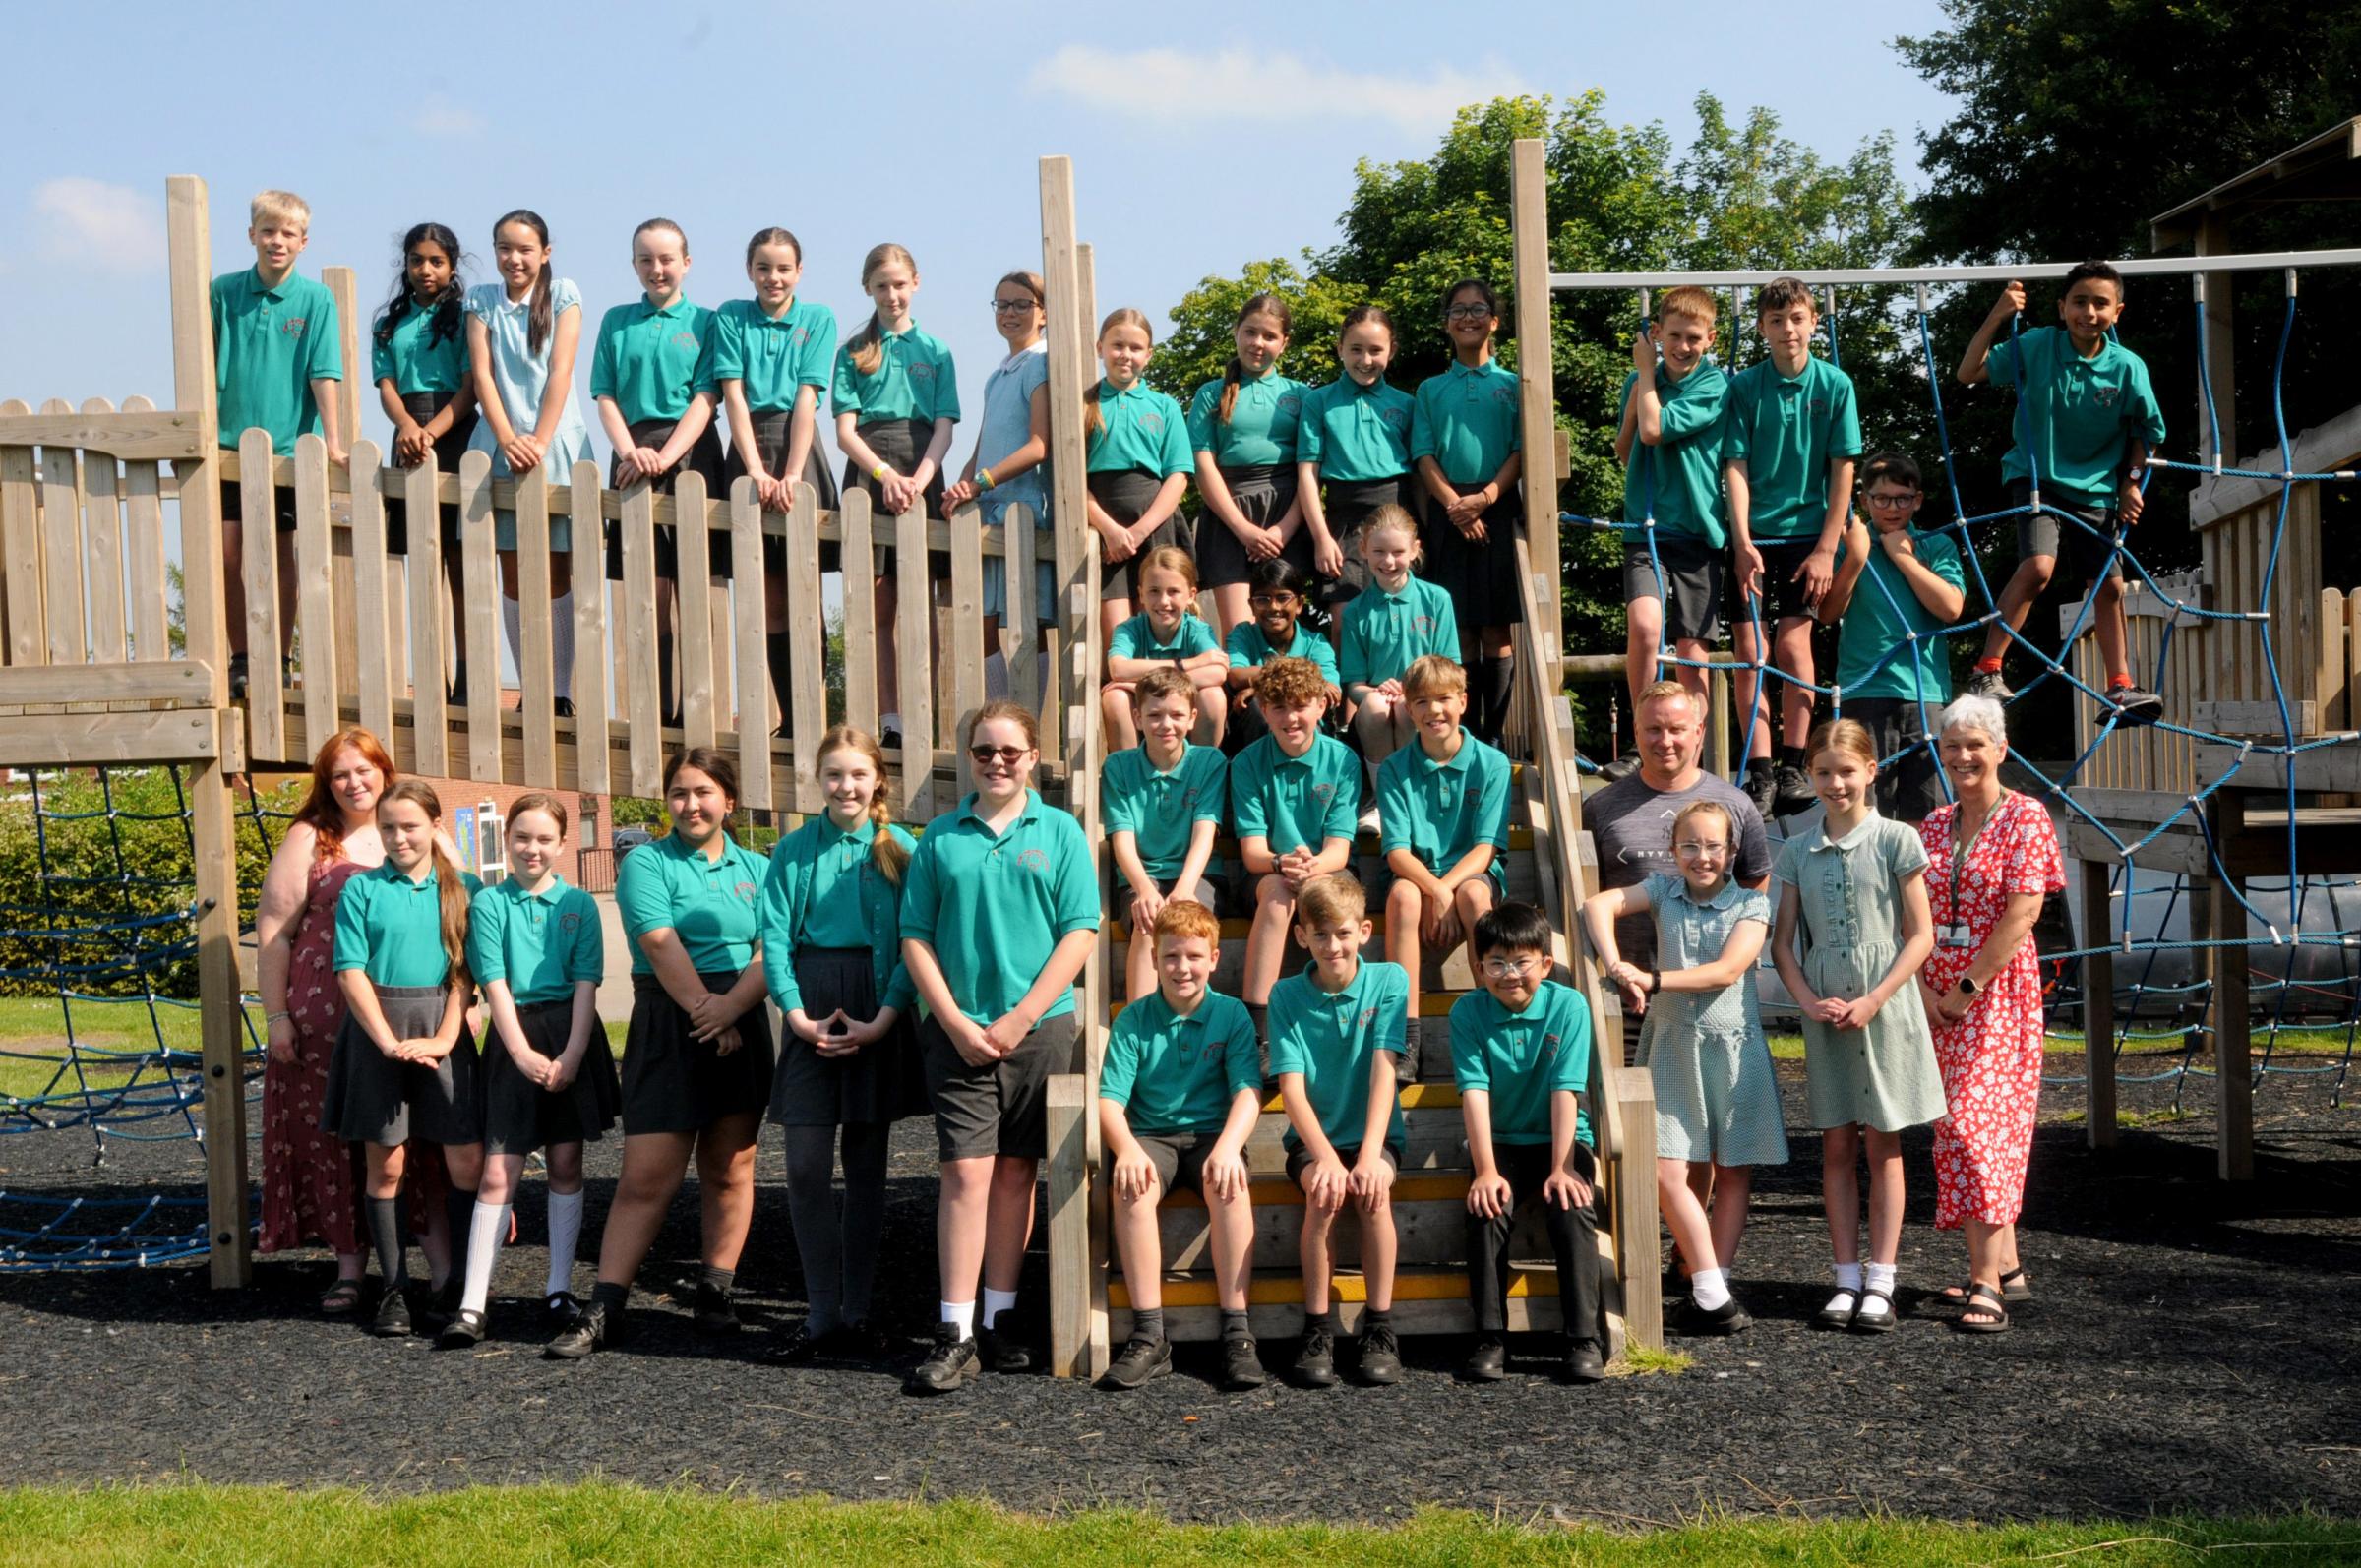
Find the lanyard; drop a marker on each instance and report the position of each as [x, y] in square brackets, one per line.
[1959, 853]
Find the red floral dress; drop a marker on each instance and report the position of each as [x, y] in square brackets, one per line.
[1991, 1058]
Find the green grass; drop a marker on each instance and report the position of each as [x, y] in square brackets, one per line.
[1641, 1360]
[192, 1527]
[2291, 1043]
[32, 1031]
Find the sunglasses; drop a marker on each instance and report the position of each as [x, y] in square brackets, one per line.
[1009, 755]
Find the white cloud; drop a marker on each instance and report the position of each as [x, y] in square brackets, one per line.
[440, 116]
[92, 223]
[1254, 84]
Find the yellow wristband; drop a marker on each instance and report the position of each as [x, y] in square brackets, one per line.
[984, 479]
[879, 472]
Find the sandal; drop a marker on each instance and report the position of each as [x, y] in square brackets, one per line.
[340, 1298]
[1836, 1316]
[1868, 1322]
[1985, 1301]
[2015, 1288]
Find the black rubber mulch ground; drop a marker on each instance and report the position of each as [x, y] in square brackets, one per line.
[2194, 1346]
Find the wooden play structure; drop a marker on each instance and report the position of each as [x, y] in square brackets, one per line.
[90, 679]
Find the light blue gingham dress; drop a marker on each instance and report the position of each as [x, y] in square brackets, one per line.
[1009, 425]
[1850, 892]
[520, 374]
[1717, 1093]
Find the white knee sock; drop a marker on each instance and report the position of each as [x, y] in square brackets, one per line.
[1710, 1288]
[995, 675]
[1880, 1277]
[1849, 1283]
[995, 1303]
[561, 643]
[962, 1313]
[511, 621]
[485, 1231]
[565, 1235]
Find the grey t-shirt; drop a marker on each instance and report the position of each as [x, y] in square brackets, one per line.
[1631, 824]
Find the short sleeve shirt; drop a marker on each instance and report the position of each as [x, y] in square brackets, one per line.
[1466, 420]
[1141, 430]
[1331, 1038]
[1261, 429]
[1249, 650]
[711, 904]
[1294, 803]
[270, 344]
[1876, 655]
[1785, 431]
[1521, 1058]
[540, 944]
[391, 927]
[2082, 413]
[1008, 424]
[993, 906]
[1631, 824]
[1175, 1074]
[914, 380]
[1161, 811]
[1678, 481]
[1850, 888]
[1353, 433]
[1441, 810]
[823, 889]
[770, 356]
[1136, 638]
[521, 377]
[1384, 633]
[1691, 933]
[415, 360]
[646, 358]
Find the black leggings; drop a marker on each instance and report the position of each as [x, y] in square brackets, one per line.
[839, 1255]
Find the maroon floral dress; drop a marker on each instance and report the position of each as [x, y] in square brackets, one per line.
[311, 1182]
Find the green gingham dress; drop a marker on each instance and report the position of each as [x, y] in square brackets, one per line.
[1717, 1094]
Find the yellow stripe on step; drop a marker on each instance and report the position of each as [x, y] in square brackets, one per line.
[1287, 1290]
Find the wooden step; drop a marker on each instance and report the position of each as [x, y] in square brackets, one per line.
[1426, 1300]
[1430, 1222]
[1436, 1137]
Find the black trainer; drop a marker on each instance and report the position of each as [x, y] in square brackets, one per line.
[799, 1347]
[464, 1331]
[1791, 791]
[1004, 1350]
[1381, 1355]
[715, 1313]
[1584, 1363]
[2135, 706]
[1488, 1363]
[952, 1365]
[1623, 767]
[1142, 1360]
[588, 1331]
[238, 680]
[1991, 684]
[1761, 787]
[392, 1320]
[1242, 1368]
[1728, 1318]
[1315, 1361]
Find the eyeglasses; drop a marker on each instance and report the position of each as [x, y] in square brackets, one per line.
[1468, 313]
[1008, 755]
[1271, 601]
[1513, 968]
[1691, 846]
[1891, 501]
[1002, 307]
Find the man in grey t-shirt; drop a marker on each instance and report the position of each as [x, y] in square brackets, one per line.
[1631, 819]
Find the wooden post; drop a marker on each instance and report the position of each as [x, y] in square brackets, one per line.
[2099, 1006]
[343, 581]
[1537, 407]
[1639, 1249]
[1070, 1176]
[222, 1007]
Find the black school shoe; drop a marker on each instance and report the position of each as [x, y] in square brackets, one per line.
[1621, 768]
[1488, 1363]
[1728, 1318]
[1381, 1355]
[1315, 1361]
[1004, 1349]
[1761, 787]
[952, 1365]
[715, 1313]
[392, 1320]
[1242, 1368]
[1584, 1363]
[1142, 1360]
[1791, 791]
[559, 1309]
[464, 1332]
[592, 1330]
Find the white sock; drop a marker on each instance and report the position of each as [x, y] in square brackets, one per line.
[1880, 1277]
[565, 1235]
[995, 1303]
[511, 621]
[561, 642]
[1710, 1288]
[995, 675]
[889, 721]
[485, 1231]
[962, 1313]
[1848, 1281]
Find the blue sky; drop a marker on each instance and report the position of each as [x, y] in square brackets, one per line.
[1203, 137]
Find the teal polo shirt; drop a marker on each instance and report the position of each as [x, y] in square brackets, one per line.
[709, 903]
[1355, 433]
[774, 357]
[1294, 803]
[391, 927]
[1141, 430]
[414, 360]
[1249, 650]
[1330, 1038]
[1680, 479]
[1174, 1074]
[824, 889]
[1135, 638]
[1884, 612]
[994, 907]
[646, 358]
[1441, 810]
[1522, 1058]
[1262, 432]
[1384, 633]
[1785, 431]
[915, 379]
[1160, 809]
[542, 944]
[270, 344]
[2083, 412]
[1466, 420]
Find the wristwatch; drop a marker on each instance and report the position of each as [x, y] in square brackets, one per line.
[1967, 986]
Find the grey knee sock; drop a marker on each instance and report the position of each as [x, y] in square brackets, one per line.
[864, 1149]
[779, 651]
[385, 1233]
[812, 1207]
[1499, 677]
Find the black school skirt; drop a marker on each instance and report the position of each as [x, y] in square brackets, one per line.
[703, 459]
[675, 1083]
[899, 443]
[373, 1099]
[1481, 577]
[423, 406]
[1263, 493]
[881, 1082]
[520, 1116]
[1347, 504]
[1126, 495]
[772, 429]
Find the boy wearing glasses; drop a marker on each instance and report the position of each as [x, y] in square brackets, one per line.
[1895, 591]
[1442, 810]
[1521, 1053]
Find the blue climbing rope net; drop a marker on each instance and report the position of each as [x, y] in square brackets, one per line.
[2159, 1021]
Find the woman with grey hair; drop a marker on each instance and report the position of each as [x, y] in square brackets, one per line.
[1992, 858]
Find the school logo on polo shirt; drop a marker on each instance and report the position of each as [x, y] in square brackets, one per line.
[1424, 623]
[1287, 404]
[1550, 1044]
[2105, 394]
[683, 339]
[1369, 1015]
[1323, 792]
[569, 924]
[1396, 417]
[1035, 860]
[922, 371]
[746, 892]
[1151, 421]
[293, 326]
